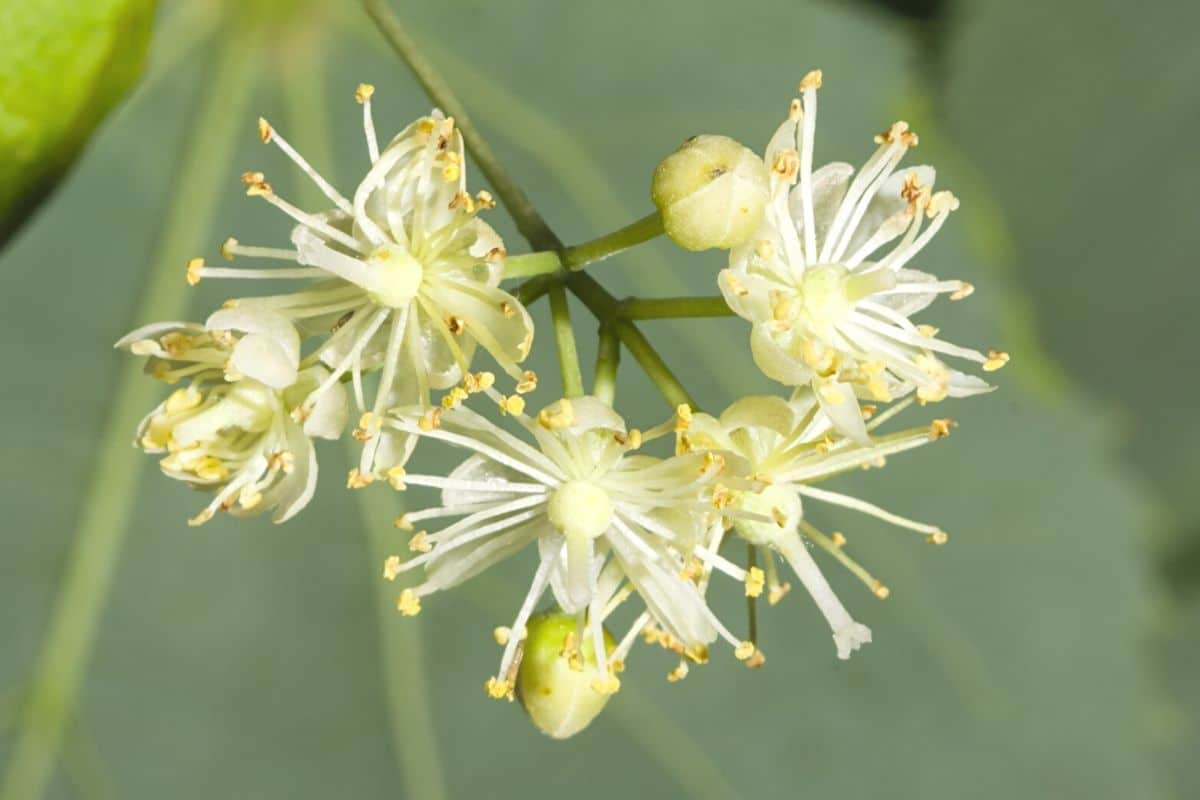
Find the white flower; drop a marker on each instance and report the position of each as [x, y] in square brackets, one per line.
[231, 429]
[829, 309]
[406, 273]
[790, 447]
[599, 513]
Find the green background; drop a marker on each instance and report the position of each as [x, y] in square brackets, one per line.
[1049, 650]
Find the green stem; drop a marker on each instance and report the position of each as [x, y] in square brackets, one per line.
[608, 358]
[564, 338]
[109, 499]
[402, 665]
[675, 308]
[605, 307]
[529, 222]
[642, 230]
[528, 265]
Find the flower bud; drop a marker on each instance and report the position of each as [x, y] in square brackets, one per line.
[555, 680]
[711, 192]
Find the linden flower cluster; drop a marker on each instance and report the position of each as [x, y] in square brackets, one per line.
[399, 286]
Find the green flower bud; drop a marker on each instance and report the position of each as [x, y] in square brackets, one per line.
[558, 683]
[711, 192]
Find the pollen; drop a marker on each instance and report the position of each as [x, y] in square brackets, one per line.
[363, 92]
[937, 537]
[401, 522]
[498, 689]
[811, 80]
[679, 673]
[513, 404]
[528, 382]
[430, 420]
[838, 539]
[357, 480]
[927, 330]
[683, 417]
[227, 248]
[940, 428]
[757, 660]
[408, 603]
[265, 131]
[995, 360]
[391, 568]
[454, 397]
[484, 199]
[501, 634]
[787, 164]
[251, 178]
[419, 543]
[195, 268]
[755, 580]
[557, 416]
[880, 590]
[744, 650]
[395, 477]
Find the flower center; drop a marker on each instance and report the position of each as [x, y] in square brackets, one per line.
[580, 510]
[395, 276]
[778, 504]
[828, 293]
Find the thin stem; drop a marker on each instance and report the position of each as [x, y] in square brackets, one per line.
[401, 641]
[602, 247]
[608, 358]
[527, 265]
[564, 339]
[111, 493]
[751, 602]
[675, 308]
[605, 307]
[529, 222]
[534, 289]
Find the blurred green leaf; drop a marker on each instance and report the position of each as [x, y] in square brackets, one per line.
[63, 65]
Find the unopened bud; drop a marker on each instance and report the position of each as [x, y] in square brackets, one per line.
[711, 192]
[555, 680]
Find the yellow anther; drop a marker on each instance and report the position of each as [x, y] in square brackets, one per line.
[512, 404]
[495, 255]
[941, 203]
[501, 634]
[462, 199]
[755, 580]
[698, 653]
[391, 567]
[363, 92]
[507, 309]
[757, 660]
[408, 603]
[940, 428]
[261, 189]
[249, 499]
[455, 325]
[498, 689]
[210, 468]
[528, 382]
[355, 479]
[425, 126]
[995, 360]
[714, 464]
[195, 268]
[838, 539]
[764, 249]
[795, 112]
[722, 496]
[683, 417]
[779, 516]
[937, 537]
[606, 684]
[430, 420]
[868, 410]
[679, 673]
[927, 330]
[744, 650]
[880, 590]
[898, 132]
[557, 416]
[419, 543]
[693, 570]
[811, 80]
[912, 190]
[484, 199]
[964, 290]
[264, 129]
[777, 591]
[251, 178]
[451, 172]
[283, 460]
[401, 522]
[227, 248]
[454, 397]
[786, 164]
